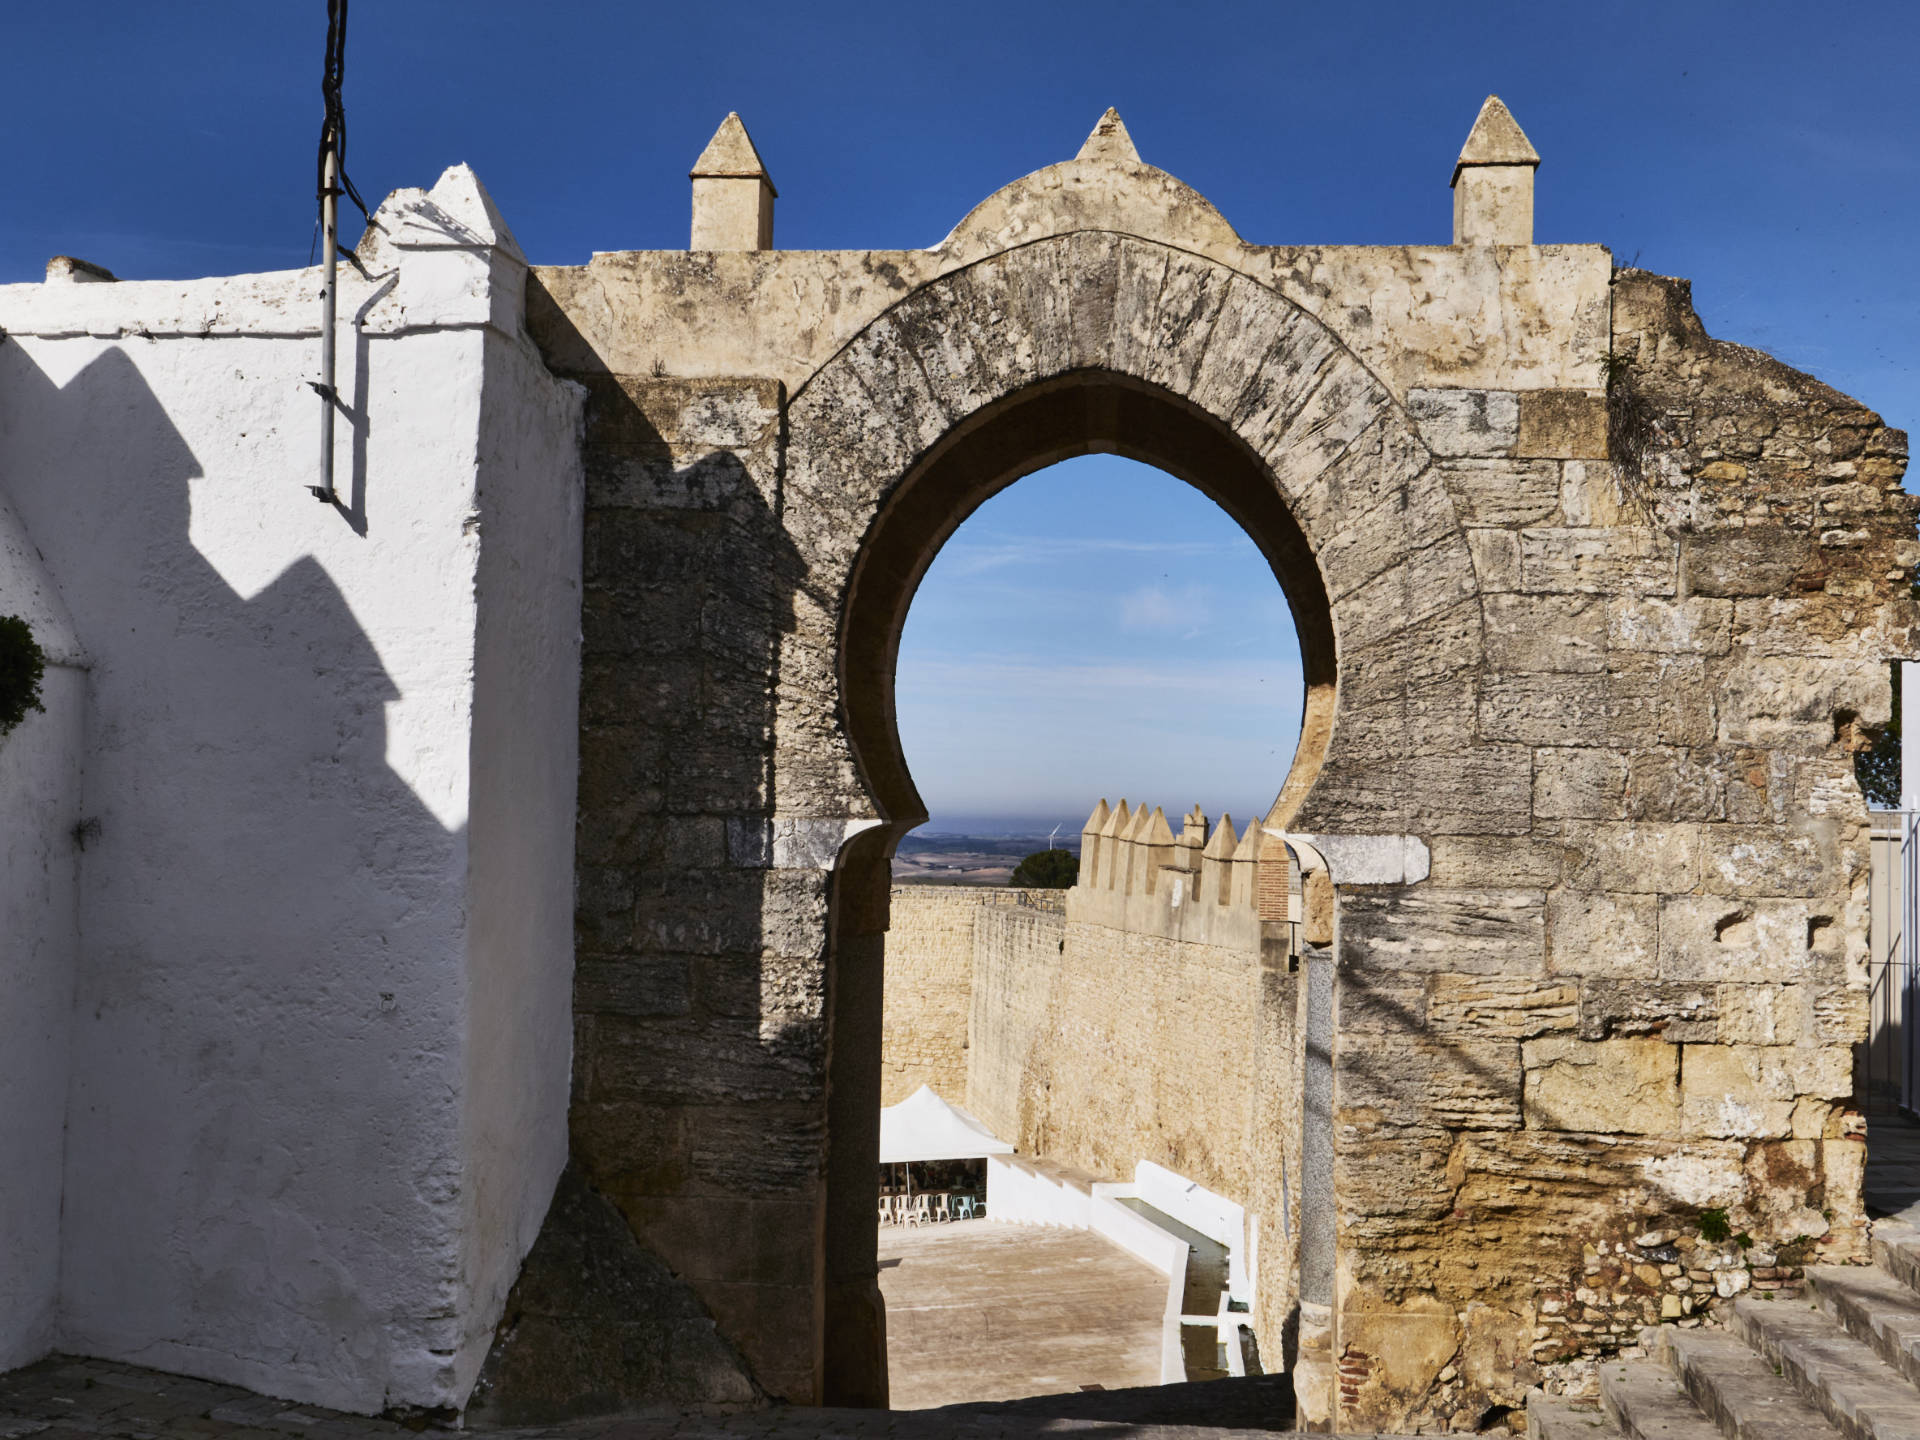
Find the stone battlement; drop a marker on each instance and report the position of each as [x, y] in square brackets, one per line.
[1137, 874]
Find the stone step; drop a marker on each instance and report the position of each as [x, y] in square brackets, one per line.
[1737, 1390]
[1550, 1417]
[1875, 1308]
[1645, 1402]
[1896, 1250]
[1853, 1387]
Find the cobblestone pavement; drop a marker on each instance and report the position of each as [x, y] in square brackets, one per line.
[66, 1399]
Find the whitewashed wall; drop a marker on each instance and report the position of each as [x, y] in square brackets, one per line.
[39, 940]
[319, 1042]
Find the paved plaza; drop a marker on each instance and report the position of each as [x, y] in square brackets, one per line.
[986, 1310]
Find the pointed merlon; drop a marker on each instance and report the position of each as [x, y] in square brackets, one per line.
[1110, 141]
[730, 155]
[1097, 819]
[1118, 822]
[1157, 831]
[1496, 139]
[1249, 847]
[1221, 846]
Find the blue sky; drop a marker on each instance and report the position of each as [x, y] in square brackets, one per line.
[1095, 629]
[1769, 151]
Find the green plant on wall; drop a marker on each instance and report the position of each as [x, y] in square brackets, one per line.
[22, 663]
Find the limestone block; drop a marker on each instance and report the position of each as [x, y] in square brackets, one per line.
[1545, 632]
[1391, 1176]
[1606, 933]
[1769, 1014]
[1801, 625]
[1632, 857]
[1545, 709]
[1466, 422]
[1839, 1016]
[1748, 1091]
[1497, 1007]
[1579, 784]
[1597, 561]
[1412, 657]
[1800, 703]
[1773, 860]
[1562, 425]
[1622, 1087]
[1469, 932]
[1590, 494]
[1503, 492]
[1704, 937]
[1496, 559]
[1659, 700]
[1392, 1352]
[1696, 625]
[1495, 862]
[1672, 1010]
[1680, 784]
[1752, 560]
[1483, 791]
[1423, 1083]
[1381, 1001]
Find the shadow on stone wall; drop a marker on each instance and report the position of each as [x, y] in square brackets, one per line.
[700, 1007]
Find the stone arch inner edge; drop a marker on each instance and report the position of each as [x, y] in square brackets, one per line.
[1083, 412]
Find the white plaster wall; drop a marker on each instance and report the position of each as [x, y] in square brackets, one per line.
[40, 780]
[532, 496]
[278, 1110]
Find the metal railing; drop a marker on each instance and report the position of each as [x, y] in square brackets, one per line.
[1893, 962]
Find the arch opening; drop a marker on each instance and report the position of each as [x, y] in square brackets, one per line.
[1080, 414]
[1089, 412]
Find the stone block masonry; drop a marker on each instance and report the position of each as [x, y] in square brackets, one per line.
[1592, 607]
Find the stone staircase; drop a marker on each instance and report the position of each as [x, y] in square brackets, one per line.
[1843, 1359]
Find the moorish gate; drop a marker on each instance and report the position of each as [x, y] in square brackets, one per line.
[1559, 916]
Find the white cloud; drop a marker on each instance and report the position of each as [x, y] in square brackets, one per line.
[1154, 607]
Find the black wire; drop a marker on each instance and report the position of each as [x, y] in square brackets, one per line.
[333, 130]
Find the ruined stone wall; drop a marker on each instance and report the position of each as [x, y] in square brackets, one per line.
[1616, 1026]
[1594, 610]
[929, 983]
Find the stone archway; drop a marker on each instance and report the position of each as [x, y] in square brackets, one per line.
[1579, 743]
[1092, 342]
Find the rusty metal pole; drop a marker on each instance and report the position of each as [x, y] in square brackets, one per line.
[329, 294]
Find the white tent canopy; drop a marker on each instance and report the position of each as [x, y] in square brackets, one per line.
[925, 1127]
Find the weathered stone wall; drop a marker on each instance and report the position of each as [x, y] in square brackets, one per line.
[1628, 996]
[1593, 606]
[1137, 1047]
[929, 983]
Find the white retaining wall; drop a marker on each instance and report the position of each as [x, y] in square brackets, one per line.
[320, 1039]
[39, 942]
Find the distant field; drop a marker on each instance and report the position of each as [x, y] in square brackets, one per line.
[968, 859]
